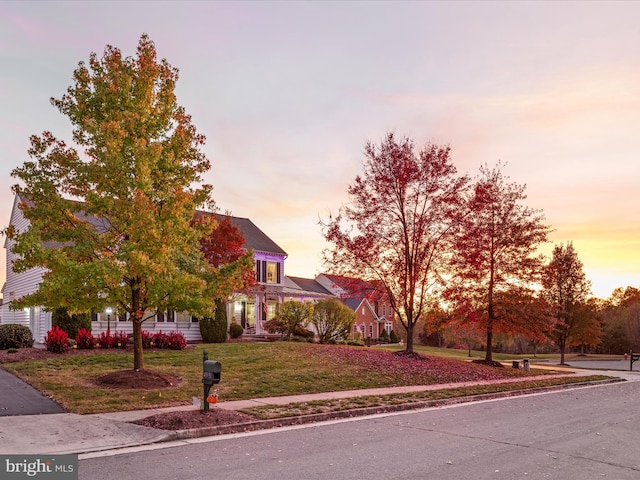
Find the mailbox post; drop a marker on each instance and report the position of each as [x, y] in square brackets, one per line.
[211, 374]
[633, 357]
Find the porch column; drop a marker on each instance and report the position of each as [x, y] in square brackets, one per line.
[258, 313]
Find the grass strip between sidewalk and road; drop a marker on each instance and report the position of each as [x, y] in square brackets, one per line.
[267, 412]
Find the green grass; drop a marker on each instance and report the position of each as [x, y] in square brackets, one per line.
[336, 405]
[249, 370]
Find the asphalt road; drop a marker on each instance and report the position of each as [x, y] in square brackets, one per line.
[577, 434]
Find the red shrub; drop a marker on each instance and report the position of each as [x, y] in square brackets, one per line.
[147, 339]
[177, 341]
[85, 340]
[57, 340]
[120, 339]
[105, 340]
[161, 340]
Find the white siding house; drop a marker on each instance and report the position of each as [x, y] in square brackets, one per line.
[250, 308]
[20, 284]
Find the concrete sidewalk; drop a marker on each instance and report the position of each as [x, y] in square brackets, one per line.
[71, 433]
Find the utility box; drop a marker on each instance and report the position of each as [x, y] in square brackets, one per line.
[525, 362]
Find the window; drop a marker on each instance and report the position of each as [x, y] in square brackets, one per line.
[384, 309]
[272, 276]
[159, 316]
[370, 331]
[268, 271]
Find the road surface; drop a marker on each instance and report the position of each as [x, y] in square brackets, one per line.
[579, 434]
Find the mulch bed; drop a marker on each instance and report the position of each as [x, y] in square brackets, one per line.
[189, 419]
[143, 379]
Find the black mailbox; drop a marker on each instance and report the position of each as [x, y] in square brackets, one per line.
[212, 372]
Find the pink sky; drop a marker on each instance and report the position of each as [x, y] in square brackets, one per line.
[288, 92]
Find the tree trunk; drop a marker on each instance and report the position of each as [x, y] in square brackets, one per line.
[138, 356]
[409, 348]
[489, 356]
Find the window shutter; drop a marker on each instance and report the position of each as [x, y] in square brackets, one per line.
[279, 272]
[264, 271]
[257, 270]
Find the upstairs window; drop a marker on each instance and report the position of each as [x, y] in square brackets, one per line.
[268, 272]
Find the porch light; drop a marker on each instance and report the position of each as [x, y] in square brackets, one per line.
[108, 311]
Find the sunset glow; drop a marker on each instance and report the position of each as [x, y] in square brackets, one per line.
[287, 93]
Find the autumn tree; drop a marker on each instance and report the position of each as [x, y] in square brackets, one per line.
[294, 317]
[566, 288]
[621, 320]
[333, 320]
[110, 218]
[494, 264]
[224, 249]
[396, 229]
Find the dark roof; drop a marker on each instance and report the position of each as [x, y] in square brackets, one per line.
[309, 285]
[352, 303]
[254, 237]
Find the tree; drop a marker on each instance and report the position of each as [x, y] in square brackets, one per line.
[404, 209]
[333, 320]
[494, 259]
[566, 288]
[223, 249]
[621, 320]
[294, 317]
[214, 329]
[113, 225]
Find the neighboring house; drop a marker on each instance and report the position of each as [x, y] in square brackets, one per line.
[367, 299]
[250, 308]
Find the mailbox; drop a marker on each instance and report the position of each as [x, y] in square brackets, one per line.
[212, 372]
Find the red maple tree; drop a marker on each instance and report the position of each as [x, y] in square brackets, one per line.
[404, 208]
[495, 261]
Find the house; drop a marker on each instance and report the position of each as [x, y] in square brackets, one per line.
[367, 299]
[250, 307]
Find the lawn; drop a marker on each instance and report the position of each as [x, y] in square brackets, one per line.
[249, 370]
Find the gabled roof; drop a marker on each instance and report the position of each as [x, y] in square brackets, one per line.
[347, 287]
[308, 285]
[255, 238]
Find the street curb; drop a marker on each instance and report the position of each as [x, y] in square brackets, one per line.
[360, 412]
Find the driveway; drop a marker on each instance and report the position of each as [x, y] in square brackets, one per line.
[20, 398]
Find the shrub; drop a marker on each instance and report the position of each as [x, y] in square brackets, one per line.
[70, 323]
[57, 340]
[161, 340]
[272, 326]
[235, 330]
[177, 341]
[393, 337]
[117, 339]
[333, 320]
[120, 339]
[85, 340]
[105, 340]
[214, 330]
[294, 316]
[384, 337]
[15, 336]
[147, 339]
